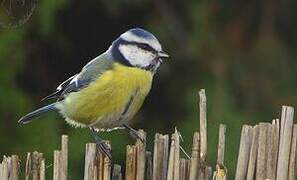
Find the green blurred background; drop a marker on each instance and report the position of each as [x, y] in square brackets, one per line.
[242, 52]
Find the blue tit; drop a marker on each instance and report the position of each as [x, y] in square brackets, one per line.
[111, 88]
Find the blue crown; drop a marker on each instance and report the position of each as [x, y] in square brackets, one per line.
[142, 33]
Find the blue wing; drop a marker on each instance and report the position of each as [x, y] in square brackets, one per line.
[77, 82]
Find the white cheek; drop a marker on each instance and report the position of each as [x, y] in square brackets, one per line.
[136, 56]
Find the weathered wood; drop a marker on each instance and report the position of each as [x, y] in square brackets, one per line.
[253, 154]
[188, 161]
[220, 173]
[4, 171]
[262, 151]
[267, 151]
[244, 152]
[42, 170]
[174, 157]
[106, 164]
[34, 166]
[28, 166]
[182, 169]
[170, 171]
[203, 125]
[60, 169]
[160, 155]
[117, 172]
[14, 167]
[95, 172]
[165, 156]
[276, 132]
[201, 171]
[285, 142]
[64, 158]
[57, 165]
[292, 162]
[195, 157]
[176, 137]
[203, 134]
[271, 151]
[140, 148]
[208, 173]
[131, 163]
[188, 165]
[221, 145]
[90, 161]
[100, 164]
[149, 165]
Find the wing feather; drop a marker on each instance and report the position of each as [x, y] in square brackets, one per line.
[59, 89]
[88, 73]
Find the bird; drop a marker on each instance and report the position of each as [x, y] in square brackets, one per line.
[110, 89]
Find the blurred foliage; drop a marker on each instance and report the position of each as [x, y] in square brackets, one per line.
[242, 52]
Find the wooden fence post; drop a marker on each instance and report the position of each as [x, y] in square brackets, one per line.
[221, 170]
[285, 142]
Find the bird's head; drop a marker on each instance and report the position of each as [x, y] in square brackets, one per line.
[138, 48]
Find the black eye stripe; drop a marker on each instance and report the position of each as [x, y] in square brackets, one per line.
[146, 47]
[141, 45]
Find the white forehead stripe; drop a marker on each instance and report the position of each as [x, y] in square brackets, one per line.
[129, 36]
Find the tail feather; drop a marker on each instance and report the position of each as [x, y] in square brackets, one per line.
[27, 118]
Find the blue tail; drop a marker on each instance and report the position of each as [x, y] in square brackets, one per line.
[27, 118]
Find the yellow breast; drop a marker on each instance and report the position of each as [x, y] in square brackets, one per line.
[105, 98]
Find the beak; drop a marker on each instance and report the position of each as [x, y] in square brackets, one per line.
[163, 54]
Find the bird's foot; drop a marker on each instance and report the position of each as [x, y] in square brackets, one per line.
[104, 148]
[134, 133]
[101, 145]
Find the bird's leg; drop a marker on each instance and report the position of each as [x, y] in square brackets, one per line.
[134, 133]
[100, 144]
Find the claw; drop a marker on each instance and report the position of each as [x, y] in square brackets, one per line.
[101, 145]
[134, 133]
[103, 148]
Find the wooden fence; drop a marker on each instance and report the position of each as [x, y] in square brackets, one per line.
[267, 151]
